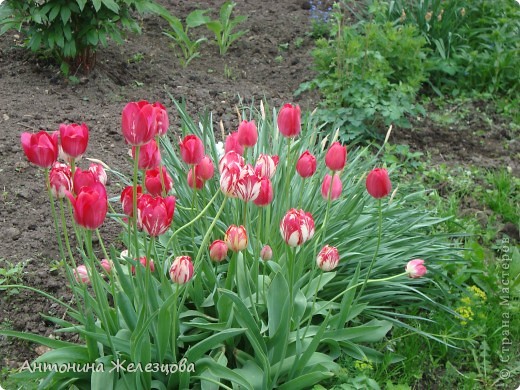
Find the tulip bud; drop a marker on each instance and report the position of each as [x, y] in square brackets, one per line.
[247, 134]
[74, 139]
[236, 238]
[139, 123]
[181, 270]
[41, 148]
[336, 157]
[205, 169]
[144, 262]
[378, 183]
[266, 253]
[154, 183]
[192, 149]
[155, 215]
[266, 165]
[306, 165]
[265, 194]
[333, 192]
[328, 258]
[415, 268]
[83, 179]
[161, 117]
[297, 227]
[194, 181]
[218, 250]
[232, 144]
[149, 155]
[289, 120]
[107, 265]
[81, 274]
[127, 199]
[60, 180]
[90, 206]
[99, 173]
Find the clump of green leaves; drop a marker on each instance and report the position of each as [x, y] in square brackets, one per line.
[72, 30]
[224, 26]
[11, 274]
[180, 34]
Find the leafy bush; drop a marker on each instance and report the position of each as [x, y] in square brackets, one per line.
[71, 30]
[223, 27]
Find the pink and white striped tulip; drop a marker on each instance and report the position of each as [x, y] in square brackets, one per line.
[236, 238]
[60, 180]
[266, 165]
[416, 268]
[297, 227]
[248, 185]
[181, 270]
[328, 258]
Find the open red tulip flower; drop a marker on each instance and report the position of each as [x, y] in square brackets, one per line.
[155, 214]
[218, 251]
[247, 134]
[265, 195]
[181, 270]
[248, 185]
[99, 173]
[306, 164]
[297, 227]
[90, 205]
[336, 157]
[41, 148]
[336, 189]
[144, 262]
[127, 199]
[192, 149]
[74, 139]
[154, 183]
[139, 123]
[228, 159]
[236, 238]
[378, 183]
[161, 118]
[266, 165]
[416, 268]
[328, 258]
[289, 120]
[232, 144]
[149, 156]
[60, 180]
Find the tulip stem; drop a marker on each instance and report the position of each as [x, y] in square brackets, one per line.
[134, 200]
[376, 251]
[313, 303]
[65, 234]
[175, 319]
[101, 244]
[287, 171]
[193, 211]
[256, 258]
[53, 211]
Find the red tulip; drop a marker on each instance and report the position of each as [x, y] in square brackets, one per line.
[60, 180]
[265, 195]
[266, 253]
[297, 227]
[127, 199]
[90, 205]
[149, 156]
[161, 119]
[139, 123]
[328, 258]
[229, 179]
[248, 185]
[99, 173]
[289, 120]
[194, 181]
[378, 183]
[181, 270]
[83, 179]
[335, 192]
[74, 139]
[266, 165]
[218, 250]
[236, 238]
[247, 134]
[155, 214]
[306, 165]
[416, 269]
[144, 262]
[81, 274]
[153, 183]
[229, 158]
[205, 169]
[107, 265]
[232, 144]
[192, 149]
[41, 148]
[336, 157]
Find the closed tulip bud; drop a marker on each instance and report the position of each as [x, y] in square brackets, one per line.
[83, 179]
[266, 165]
[74, 139]
[149, 156]
[229, 178]
[306, 165]
[143, 261]
[232, 144]
[154, 183]
[218, 250]
[205, 169]
[336, 157]
[266, 253]
[107, 265]
[127, 199]
[333, 192]
[194, 181]
[289, 120]
[378, 183]
[155, 215]
[248, 185]
[328, 258]
[41, 148]
[265, 195]
[247, 134]
[99, 173]
[139, 123]
[230, 158]
[297, 227]
[161, 118]
[236, 238]
[81, 274]
[60, 180]
[90, 206]
[192, 149]
[416, 269]
[181, 270]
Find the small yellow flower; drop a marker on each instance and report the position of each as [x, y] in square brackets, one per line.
[363, 365]
[477, 292]
[466, 313]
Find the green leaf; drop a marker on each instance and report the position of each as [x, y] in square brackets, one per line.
[65, 14]
[81, 4]
[306, 381]
[223, 372]
[96, 4]
[199, 349]
[54, 12]
[76, 354]
[103, 379]
[215, 27]
[111, 5]
[197, 18]
[51, 343]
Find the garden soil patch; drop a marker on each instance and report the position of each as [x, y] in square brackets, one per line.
[269, 62]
